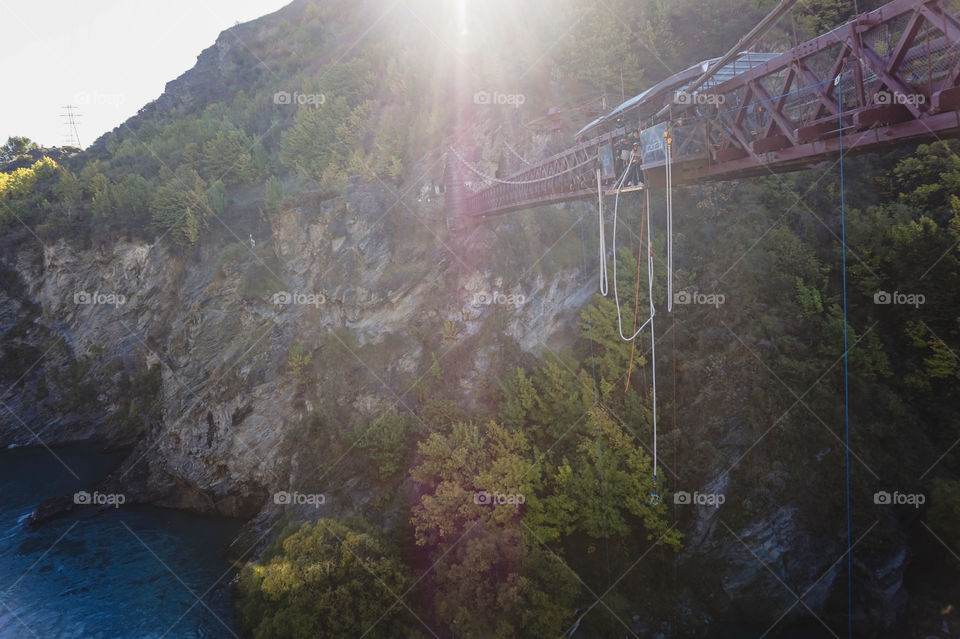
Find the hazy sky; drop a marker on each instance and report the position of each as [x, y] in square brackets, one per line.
[108, 57]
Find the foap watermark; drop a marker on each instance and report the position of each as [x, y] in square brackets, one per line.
[284, 498]
[83, 498]
[696, 297]
[896, 498]
[886, 97]
[312, 99]
[95, 98]
[484, 498]
[288, 298]
[99, 299]
[484, 298]
[507, 99]
[685, 98]
[683, 498]
[909, 299]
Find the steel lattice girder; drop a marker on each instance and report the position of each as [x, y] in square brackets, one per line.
[899, 71]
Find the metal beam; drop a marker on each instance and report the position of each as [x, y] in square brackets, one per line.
[719, 143]
[742, 45]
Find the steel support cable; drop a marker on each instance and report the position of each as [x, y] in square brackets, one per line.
[520, 182]
[519, 157]
[846, 366]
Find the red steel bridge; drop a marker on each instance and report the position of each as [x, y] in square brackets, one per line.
[886, 78]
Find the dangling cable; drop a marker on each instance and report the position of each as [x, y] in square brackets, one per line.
[616, 292]
[653, 341]
[668, 170]
[604, 283]
[618, 185]
[616, 295]
[846, 367]
[636, 296]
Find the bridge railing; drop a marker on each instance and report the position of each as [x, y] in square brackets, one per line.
[899, 78]
[898, 68]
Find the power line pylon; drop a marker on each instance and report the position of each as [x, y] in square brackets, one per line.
[71, 117]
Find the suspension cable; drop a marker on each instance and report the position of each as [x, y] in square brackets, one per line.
[520, 182]
[519, 157]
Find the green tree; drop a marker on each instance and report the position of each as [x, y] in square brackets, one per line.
[325, 581]
[298, 358]
[604, 43]
[318, 143]
[945, 511]
[612, 486]
[180, 207]
[101, 196]
[386, 441]
[20, 183]
[274, 195]
[69, 191]
[227, 157]
[217, 197]
[15, 146]
[491, 580]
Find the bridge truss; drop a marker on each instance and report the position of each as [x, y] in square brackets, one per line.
[889, 77]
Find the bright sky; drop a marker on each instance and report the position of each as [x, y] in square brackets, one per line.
[108, 57]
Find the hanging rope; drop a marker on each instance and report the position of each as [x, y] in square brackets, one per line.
[604, 283]
[645, 214]
[653, 340]
[846, 364]
[519, 182]
[668, 168]
[636, 298]
[603, 286]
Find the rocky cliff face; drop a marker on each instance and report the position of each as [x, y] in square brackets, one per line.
[335, 276]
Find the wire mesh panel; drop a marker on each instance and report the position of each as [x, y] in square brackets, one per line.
[926, 61]
[801, 102]
[821, 62]
[884, 37]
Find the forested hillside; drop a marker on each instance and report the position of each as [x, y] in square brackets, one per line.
[486, 468]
